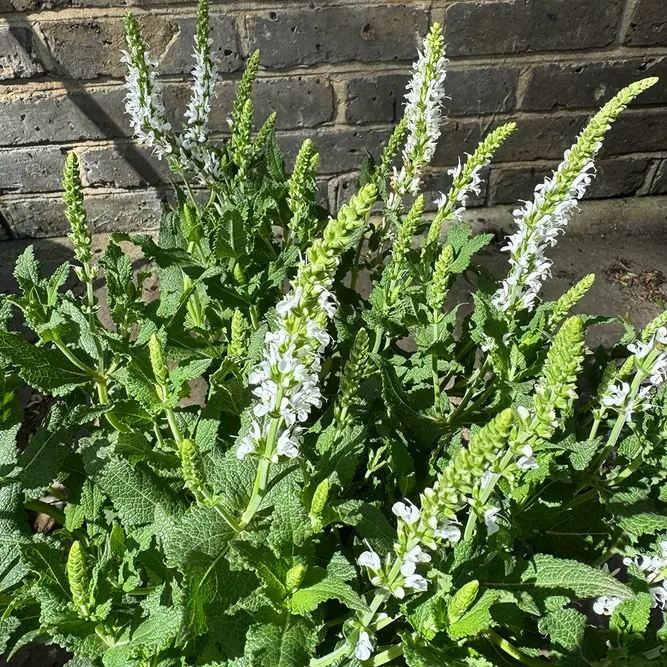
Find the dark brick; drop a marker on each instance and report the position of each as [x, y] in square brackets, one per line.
[28, 116]
[376, 100]
[591, 84]
[476, 27]
[339, 149]
[479, 90]
[90, 48]
[615, 178]
[659, 184]
[457, 137]
[42, 216]
[116, 166]
[300, 101]
[17, 53]
[31, 169]
[540, 138]
[316, 34]
[637, 132]
[648, 24]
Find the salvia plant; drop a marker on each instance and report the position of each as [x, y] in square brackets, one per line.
[351, 481]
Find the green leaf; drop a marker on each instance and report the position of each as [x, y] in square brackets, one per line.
[631, 617]
[290, 523]
[644, 523]
[582, 581]
[134, 491]
[281, 644]
[477, 619]
[318, 588]
[421, 429]
[370, 524]
[40, 462]
[231, 240]
[13, 531]
[44, 368]
[340, 453]
[11, 417]
[565, 626]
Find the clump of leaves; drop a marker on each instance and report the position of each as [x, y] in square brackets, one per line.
[491, 494]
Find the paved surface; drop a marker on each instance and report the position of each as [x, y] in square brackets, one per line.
[624, 242]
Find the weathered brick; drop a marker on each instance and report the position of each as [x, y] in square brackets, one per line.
[315, 34]
[637, 131]
[477, 27]
[30, 116]
[375, 99]
[90, 48]
[339, 149]
[17, 53]
[478, 90]
[540, 138]
[590, 84]
[648, 24]
[659, 184]
[42, 215]
[300, 101]
[615, 178]
[457, 137]
[31, 169]
[122, 165]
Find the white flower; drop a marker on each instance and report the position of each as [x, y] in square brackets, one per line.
[411, 578]
[364, 648]
[605, 605]
[423, 111]
[370, 559]
[289, 302]
[408, 512]
[616, 395]
[288, 443]
[640, 349]
[448, 530]
[490, 520]
[527, 461]
[416, 555]
[659, 595]
[538, 225]
[249, 443]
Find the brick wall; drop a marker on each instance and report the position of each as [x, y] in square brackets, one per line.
[335, 71]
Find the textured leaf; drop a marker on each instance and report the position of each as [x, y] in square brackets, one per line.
[582, 580]
[290, 523]
[280, 645]
[11, 417]
[135, 492]
[40, 462]
[566, 628]
[13, 530]
[370, 523]
[477, 619]
[44, 368]
[310, 596]
[645, 523]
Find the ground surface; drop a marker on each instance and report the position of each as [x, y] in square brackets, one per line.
[624, 242]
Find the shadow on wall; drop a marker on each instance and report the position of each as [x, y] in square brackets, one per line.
[22, 31]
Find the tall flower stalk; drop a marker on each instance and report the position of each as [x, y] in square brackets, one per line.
[286, 381]
[540, 221]
[423, 112]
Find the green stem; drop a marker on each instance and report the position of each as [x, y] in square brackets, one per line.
[512, 650]
[485, 494]
[434, 370]
[340, 652]
[383, 657]
[103, 395]
[75, 360]
[378, 341]
[262, 475]
[222, 512]
[46, 508]
[594, 430]
[173, 425]
[254, 317]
